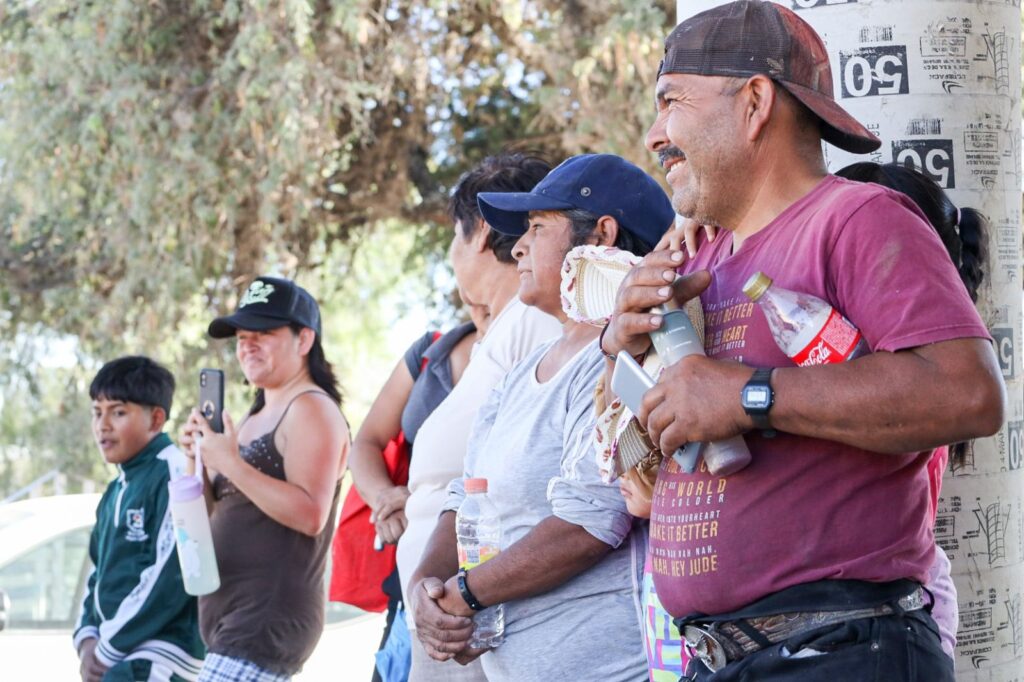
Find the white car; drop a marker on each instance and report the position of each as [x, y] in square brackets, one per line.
[44, 563]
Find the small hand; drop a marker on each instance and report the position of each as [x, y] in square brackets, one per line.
[220, 450]
[90, 667]
[388, 515]
[443, 635]
[685, 233]
[452, 601]
[696, 400]
[390, 529]
[187, 436]
[389, 501]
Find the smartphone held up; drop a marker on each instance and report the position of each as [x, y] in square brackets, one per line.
[211, 397]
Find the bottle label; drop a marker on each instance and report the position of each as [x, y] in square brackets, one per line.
[836, 342]
[472, 557]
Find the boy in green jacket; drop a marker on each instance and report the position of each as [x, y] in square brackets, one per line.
[137, 623]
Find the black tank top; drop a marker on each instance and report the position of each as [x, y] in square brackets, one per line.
[270, 605]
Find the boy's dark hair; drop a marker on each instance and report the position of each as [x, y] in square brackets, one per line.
[505, 172]
[134, 379]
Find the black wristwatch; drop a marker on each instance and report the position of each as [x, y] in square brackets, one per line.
[467, 596]
[757, 399]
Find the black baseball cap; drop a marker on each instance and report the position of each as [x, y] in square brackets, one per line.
[750, 37]
[269, 303]
[603, 184]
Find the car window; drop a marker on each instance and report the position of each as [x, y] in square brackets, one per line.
[12, 515]
[45, 584]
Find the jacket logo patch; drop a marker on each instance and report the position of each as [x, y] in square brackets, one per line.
[135, 521]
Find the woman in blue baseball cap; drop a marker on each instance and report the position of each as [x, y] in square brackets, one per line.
[567, 556]
[273, 482]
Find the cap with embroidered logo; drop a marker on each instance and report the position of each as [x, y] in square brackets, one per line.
[269, 303]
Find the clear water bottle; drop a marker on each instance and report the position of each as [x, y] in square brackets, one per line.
[192, 536]
[674, 340]
[806, 328]
[478, 529]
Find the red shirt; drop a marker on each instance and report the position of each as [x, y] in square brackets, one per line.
[808, 509]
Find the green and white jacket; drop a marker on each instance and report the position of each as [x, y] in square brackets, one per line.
[136, 604]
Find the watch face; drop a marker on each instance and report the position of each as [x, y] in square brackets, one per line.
[757, 397]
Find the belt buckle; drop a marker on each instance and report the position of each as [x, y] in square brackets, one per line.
[913, 601]
[702, 644]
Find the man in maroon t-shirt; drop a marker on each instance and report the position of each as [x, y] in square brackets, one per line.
[829, 523]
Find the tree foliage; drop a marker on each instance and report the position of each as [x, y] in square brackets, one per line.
[157, 155]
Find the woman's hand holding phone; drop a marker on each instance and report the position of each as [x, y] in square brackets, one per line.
[220, 450]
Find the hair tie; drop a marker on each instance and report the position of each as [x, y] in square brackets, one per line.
[957, 223]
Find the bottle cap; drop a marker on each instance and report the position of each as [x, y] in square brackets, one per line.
[476, 485]
[757, 285]
[185, 489]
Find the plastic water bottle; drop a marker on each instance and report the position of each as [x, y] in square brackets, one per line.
[192, 535]
[478, 529]
[806, 328]
[674, 340]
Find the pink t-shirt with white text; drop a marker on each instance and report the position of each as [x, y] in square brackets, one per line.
[808, 509]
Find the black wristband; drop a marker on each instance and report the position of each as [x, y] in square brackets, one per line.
[467, 596]
[600, 346]
[600, 341]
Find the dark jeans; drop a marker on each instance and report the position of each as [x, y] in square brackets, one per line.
[894, 648]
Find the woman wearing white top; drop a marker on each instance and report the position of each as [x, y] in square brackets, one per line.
[486, 273]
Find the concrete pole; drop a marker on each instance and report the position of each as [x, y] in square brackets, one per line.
[939, 82]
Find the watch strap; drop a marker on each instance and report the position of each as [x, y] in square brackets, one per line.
[467, 595]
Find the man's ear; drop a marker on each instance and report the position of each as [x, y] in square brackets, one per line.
[606, 231]
[760, 101]
[157, 419]
[479, 240]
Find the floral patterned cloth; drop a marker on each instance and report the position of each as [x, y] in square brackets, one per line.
[591, 277]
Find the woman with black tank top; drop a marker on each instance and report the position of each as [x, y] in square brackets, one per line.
[273, 488]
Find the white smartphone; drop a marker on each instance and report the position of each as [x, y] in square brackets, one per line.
[630, 382]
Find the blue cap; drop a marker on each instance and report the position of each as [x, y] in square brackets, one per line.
[603, 184]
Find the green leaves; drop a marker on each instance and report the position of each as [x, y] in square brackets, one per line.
[157, 156]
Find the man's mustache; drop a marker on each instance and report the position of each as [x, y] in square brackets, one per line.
[668, 153]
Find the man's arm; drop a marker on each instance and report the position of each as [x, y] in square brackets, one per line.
[588, 518]
[550, 555]
[910, 400]
[907, 401]
[369, 471]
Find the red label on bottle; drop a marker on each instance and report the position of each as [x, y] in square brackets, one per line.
[836, 342]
